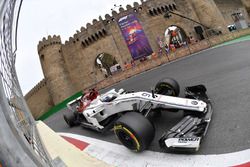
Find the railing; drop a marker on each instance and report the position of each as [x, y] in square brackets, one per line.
[20, 144]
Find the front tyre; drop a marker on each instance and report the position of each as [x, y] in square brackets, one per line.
[134, 131]
[167, 86]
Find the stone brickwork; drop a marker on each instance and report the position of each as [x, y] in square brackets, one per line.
[246, 4]
[227, 8]
[39, 99]
[209, 14]
[55, 73]
[152, 63]
[70, 67]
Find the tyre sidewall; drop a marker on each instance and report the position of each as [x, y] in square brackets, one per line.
[139, 128]
[70, 119]
[170, 84]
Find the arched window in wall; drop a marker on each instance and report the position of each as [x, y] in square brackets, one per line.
[107, 64]
[175, 36]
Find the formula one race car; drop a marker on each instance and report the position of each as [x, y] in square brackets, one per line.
[129, 113]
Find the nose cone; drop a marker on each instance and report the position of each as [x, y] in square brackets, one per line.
[202, 106]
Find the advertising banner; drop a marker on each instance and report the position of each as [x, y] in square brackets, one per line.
[135, 37]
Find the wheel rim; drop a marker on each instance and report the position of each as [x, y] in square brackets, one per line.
[126, 139]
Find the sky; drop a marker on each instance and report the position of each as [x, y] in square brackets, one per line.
[40, 18]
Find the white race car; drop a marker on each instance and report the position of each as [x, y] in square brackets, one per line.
[129, 113]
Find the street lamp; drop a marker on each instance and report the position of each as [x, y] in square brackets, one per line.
[167, 15]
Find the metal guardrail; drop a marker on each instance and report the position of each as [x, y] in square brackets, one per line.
[20, 144]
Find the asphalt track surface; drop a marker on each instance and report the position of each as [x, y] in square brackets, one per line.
[226, 73]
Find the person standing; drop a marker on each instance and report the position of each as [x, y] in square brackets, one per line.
[167, 50]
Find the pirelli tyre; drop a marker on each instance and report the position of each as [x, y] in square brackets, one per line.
[134, 131]
[70, 118]
[167, 86]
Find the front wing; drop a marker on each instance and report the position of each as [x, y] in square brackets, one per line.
[187, 135]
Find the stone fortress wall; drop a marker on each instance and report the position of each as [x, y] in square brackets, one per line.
[70, 67]
[228, 7]
[39, 99]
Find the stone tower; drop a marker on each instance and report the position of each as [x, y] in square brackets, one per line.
[54, 71]
[246, 3]
[209, 14]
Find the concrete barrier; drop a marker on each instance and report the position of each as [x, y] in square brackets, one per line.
[71, 156]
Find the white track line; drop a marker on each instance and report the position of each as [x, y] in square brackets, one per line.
[118, 155]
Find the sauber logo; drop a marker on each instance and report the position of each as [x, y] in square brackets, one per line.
[194, 102]
[186, 140]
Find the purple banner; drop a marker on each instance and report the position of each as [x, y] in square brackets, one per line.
[134, 36]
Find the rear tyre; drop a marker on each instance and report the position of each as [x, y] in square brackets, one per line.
[70, 118]
[167, 86]
[134, 131]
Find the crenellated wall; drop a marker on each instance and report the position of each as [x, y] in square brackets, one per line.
[104, 36]
[70, 67]
[53, 65]
[39, 99]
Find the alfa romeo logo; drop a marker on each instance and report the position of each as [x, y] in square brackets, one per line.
[194, 102]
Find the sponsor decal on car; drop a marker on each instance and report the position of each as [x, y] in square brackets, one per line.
[183, 142]
[187, 140]
[194, 102]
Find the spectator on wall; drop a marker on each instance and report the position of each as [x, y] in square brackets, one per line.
[167, 50]
[132, 63]
[161, 46]
[154, 56]
[172, 47]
